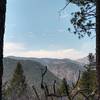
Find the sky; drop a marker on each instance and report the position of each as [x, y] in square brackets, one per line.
[34, 28]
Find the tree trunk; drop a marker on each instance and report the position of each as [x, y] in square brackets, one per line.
[2, 30]
[98, 43]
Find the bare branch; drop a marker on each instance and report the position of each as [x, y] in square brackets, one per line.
[65, 6]
[36, 92]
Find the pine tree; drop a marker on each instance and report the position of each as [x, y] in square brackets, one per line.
[83, 22]
[88, 78]
[17, 85]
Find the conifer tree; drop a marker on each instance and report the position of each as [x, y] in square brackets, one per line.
[88, 78]
[17, 86]
[87, 21]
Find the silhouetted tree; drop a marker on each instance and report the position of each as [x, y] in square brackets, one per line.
[84, 23]
[83, 20]
[98, 43]
[2, 30]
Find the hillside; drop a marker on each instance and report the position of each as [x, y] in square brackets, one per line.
[85, 60]
[32, 71]
[62, 68]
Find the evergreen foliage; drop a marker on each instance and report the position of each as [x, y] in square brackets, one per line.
[83, 20]
[88, 78]
[17, 86]
[18, 82]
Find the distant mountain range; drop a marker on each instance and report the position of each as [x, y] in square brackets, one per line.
[32, 71]
[85, 60]
[57, 68]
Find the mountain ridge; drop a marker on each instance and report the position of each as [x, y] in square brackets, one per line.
[32, 71]
[61, 68]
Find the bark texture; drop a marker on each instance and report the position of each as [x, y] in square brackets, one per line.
[98, 42]
[2, 30]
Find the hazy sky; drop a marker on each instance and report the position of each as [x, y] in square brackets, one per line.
[34, 28]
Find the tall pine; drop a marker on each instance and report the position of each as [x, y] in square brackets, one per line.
[17, 86]
[88, 78]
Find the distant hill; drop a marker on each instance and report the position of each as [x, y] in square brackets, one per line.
[32, 71]
[61, 68]
[85, 60]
